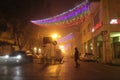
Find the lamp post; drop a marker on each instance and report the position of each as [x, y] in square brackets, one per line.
[35, 50]
[54, 37]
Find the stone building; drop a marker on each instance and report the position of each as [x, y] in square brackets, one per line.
[6, 38]
[100, 34]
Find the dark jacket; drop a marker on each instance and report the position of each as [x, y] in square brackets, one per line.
[76, 55]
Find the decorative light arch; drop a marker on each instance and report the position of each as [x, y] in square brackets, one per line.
[69, 18]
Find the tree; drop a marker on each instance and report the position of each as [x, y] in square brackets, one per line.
[25, 34]
[22, 33]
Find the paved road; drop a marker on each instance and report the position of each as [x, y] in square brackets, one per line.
[65, 71]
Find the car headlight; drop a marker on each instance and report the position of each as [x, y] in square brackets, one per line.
[6, 56]
[19, 56]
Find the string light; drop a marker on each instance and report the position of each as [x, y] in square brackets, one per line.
[68, 18]
[67, 37]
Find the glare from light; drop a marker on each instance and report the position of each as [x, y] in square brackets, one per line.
[115, 35]
[35, 49]
[61, 46]
[39, 50]
[19, 56]
[17, 61]
[93, 30]
[55, 36]
[6, 56]
[63, 51]
[113, 21]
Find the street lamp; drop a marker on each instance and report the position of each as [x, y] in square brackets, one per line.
[54, 36]
[39, 50]
[35, 50]
[61, 47]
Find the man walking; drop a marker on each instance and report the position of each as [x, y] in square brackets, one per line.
[76, 57]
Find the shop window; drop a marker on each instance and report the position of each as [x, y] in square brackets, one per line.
[116, 46]
[117, 50]
[116, 39]
[90, 45]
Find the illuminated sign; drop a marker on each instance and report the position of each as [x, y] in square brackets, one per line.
[97, 26]
[118, 21]
[115, 21]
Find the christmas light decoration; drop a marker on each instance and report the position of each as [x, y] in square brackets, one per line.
[68, 18]
[66, 38]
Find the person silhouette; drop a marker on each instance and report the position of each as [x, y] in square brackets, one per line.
[76, 57]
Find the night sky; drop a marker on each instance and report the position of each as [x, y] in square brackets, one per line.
[34, 9]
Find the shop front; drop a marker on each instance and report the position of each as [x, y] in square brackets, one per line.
[115, 42]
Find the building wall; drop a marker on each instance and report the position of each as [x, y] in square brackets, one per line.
[103, 12]
[6, 39]
[114, 7]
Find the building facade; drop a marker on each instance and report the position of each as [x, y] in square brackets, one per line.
[100, 34]
[6, 38]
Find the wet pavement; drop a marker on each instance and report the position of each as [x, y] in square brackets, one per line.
[65, 71]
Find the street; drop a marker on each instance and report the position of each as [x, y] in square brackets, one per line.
[65, 71]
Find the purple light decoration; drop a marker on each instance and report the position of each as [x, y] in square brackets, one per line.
[68, 37]
[78, 10]
[72, 14]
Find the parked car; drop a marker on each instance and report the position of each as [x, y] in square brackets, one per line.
[16, 57]
[87, 57]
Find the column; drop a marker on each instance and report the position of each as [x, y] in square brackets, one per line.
[107, 51]
[95, 49]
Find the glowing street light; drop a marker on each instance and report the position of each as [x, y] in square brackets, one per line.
[39, 50]
[61, 46]
[35, 50]
[55, 36]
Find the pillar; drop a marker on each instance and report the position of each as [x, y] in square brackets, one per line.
[95, 49]
[107, 51]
